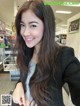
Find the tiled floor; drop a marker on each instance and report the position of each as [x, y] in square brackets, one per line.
[5, 84]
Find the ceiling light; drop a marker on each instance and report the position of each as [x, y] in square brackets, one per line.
[63, 12]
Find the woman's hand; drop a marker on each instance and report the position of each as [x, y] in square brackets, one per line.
[18, 95]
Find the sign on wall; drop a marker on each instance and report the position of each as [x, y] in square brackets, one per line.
[74, 26]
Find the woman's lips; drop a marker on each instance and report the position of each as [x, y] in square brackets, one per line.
[28, 39]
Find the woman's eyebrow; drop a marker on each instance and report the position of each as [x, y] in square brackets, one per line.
[33, 22]
[30, 22]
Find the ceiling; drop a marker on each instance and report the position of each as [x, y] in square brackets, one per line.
[7, 11]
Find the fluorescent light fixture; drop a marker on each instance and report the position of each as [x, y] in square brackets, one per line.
[63, 12]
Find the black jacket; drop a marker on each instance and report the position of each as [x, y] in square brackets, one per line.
[67, 70]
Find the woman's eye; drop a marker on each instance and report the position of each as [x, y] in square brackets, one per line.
[22, 25]
[33, 25]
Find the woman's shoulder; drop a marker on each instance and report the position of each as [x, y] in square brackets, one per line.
[66, 51]
[67, 56]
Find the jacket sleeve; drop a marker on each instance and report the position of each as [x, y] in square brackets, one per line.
[71, 74]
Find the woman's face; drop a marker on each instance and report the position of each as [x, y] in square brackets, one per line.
[32, 29]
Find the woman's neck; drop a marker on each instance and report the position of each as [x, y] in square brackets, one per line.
[34, 59]
[35, 54]
[37, 48]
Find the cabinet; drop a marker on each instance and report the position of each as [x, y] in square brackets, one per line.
[10, 65]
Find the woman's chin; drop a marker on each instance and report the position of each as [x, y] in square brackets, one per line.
[30, 46]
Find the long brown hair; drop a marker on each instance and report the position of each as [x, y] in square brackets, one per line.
[46, 65]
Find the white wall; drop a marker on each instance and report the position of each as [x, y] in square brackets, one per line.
[73, 39]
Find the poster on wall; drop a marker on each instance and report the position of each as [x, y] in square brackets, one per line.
[74, 26]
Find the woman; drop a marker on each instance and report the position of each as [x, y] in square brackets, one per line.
[44, 65]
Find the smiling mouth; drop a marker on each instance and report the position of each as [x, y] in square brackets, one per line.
[28, 39]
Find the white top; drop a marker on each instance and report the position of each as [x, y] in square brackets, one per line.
[30, 73]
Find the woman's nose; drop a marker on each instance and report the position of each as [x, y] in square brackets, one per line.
[26, 32]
